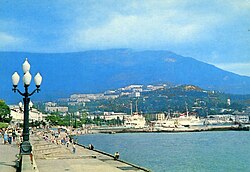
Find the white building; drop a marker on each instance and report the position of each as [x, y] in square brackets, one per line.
[50, 104]
[52, 107]
[86, 96]
[155, 87]
[57, 109]
[17, 114]
[135, 94]
[134, 88]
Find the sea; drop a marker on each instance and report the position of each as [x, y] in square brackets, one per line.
[218, 151]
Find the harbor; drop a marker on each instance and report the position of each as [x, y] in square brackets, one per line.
[51, 153]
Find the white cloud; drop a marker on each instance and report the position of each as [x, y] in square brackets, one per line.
[187, 27]
[138, 31]
[7, 40]
[240, 5]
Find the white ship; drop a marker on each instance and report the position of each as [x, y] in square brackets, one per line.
[184, 120]
[136, 120]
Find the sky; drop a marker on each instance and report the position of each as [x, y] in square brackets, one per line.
[212, 31]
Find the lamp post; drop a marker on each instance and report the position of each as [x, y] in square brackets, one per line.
[25, 147]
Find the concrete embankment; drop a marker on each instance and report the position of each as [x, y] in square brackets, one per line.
[120, 160]
[57, 158]
[173, 130]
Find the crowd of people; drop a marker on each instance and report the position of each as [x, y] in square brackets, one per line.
[60, 138]
[11, 135]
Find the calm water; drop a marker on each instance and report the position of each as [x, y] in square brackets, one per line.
[202, 151]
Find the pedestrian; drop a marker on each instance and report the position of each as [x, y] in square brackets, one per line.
[116, 157]
[3, 131]
[67, 141]
[91, 147]
[14, 135]
[74, 148]
[18, 138]
[10, 137]
[5, 137]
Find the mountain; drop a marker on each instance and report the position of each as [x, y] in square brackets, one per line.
[99, 70]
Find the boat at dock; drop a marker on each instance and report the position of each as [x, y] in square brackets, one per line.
[179, 122]
[136, 120]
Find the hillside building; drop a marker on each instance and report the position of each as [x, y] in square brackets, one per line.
[17, 114]
[62, 109]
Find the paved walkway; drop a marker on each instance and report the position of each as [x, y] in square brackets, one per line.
[8, 156]
[58, 158]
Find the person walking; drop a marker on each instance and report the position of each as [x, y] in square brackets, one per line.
[74, 148]
[5, 137]
[14, 135]
[67, 141]
[10, 137]
[18, 138]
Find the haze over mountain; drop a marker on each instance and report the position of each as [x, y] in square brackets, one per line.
[99, 70]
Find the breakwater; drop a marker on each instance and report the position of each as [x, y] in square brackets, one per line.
[113, 130]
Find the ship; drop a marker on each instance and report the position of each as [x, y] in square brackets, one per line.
[135, 120]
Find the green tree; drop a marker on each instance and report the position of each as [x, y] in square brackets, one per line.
[4, 112]
[84, 118]
[54, 119]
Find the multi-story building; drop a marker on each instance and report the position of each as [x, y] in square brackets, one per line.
[17, 114]
[52, 107]
[57, 109]
[135, 94]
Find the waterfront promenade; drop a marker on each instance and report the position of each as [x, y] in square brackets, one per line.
[57, 158]
[8, 156]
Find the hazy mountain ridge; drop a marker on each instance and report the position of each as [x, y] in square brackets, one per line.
[100, 70]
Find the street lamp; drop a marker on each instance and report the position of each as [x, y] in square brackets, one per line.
[25, 147]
